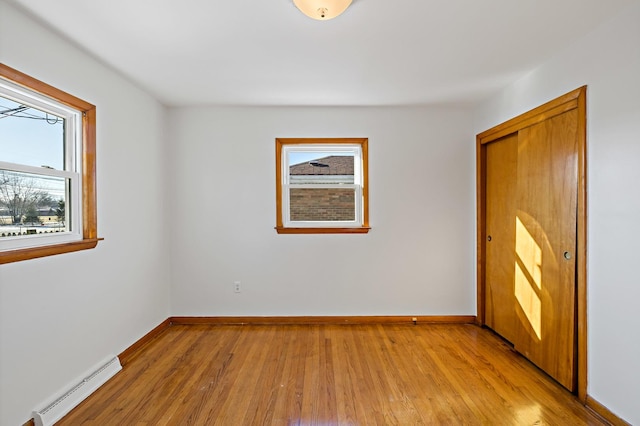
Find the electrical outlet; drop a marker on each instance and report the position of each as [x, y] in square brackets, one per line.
[236, 287]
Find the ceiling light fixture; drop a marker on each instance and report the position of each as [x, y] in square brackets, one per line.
[322, 9]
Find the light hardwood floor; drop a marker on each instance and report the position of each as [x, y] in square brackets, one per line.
[330, 375]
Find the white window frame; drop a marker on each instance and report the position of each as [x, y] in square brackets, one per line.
[72, 168]
[357, 147]
[353, 149]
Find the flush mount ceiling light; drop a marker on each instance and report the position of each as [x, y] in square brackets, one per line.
[322, 9]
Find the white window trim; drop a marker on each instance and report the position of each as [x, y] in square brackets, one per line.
[357, 184]
[73, 168]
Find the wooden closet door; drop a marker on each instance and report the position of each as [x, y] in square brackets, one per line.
[545, 245]
[532, 244]
[531, 213]
[502, 161]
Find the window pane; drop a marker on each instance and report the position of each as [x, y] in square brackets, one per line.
[30, 136]
[322, 204]
[32, 204]
[321, 167]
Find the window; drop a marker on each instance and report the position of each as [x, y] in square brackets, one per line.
[47, 170]
[321, 186]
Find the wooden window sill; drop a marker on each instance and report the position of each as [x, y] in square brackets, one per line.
[361, 230]
[36, 252]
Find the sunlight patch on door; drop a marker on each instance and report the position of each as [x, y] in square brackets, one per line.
[529, 252]
[529, 301]
[529, 281]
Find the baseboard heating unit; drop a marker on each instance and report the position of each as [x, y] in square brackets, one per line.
[61, 406]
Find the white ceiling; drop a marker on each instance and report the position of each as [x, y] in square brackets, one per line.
[265, 52]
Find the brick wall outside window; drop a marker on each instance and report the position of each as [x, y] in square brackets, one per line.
[314, 204]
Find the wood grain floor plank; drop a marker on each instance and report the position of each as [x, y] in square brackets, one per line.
[329, 375]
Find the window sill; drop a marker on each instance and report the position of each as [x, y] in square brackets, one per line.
[36, 252]
[361, 230]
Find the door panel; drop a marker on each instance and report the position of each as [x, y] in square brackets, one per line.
[545, 246]
[501, 209]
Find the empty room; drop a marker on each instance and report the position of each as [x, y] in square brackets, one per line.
[319, 212]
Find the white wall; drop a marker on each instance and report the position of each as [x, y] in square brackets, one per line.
[608, 61]
[62, 315]
[417, 259]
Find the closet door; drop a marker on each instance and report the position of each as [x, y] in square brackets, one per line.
[532, 247]
[545, 245]
[502, 157]
[530, 270]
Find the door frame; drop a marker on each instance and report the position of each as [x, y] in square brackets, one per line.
[576, 99]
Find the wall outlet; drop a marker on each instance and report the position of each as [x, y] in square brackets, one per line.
[236, 287]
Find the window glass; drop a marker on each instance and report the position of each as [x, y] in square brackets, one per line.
[32, 204]
[308, 199]
[31, 136]
[321, 167]
[322, 204]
